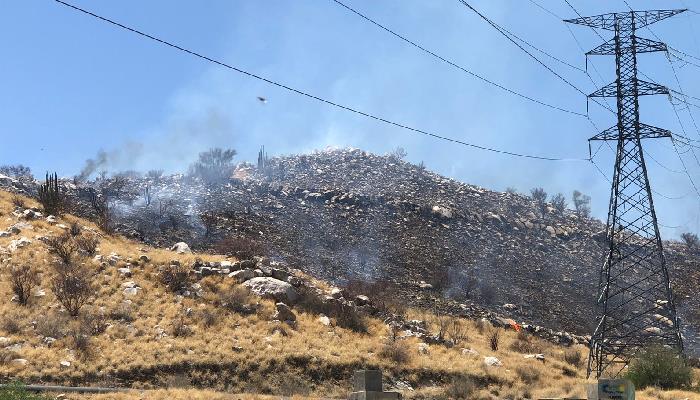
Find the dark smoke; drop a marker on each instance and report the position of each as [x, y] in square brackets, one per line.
[92, 165]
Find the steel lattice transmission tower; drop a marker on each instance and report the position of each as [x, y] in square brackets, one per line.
[634, 291]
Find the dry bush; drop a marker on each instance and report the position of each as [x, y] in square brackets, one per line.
[81, 342]
[52, 325]
[527, 374]
[525, 344]
[346, 316]
[208, 317]
[75, 229]
[573, 357]
[63, 247]
[23, 279]
[395, 351]
[87, 244]
[93, 322]
[494, 339]
[461, 388]
[443, 323]
[11, 323]
[18, 201]
[240, 247]
[123, 312]
[175, 277]
[237, 299]
[456, 331]
[481, 326]
[5, 357]
[179, 327]
[72, 287]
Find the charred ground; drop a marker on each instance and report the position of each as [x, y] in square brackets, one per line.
[377, 223]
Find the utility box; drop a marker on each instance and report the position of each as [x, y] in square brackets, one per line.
[367, 385]
[611, 389]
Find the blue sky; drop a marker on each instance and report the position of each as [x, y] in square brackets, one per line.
[72, 85]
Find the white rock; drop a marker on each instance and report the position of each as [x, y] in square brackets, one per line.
[181, 248]
[510, 307]
[51, 219]
[324, 320]
[362, 300]
[492, 362]
[5, 234]
[18, 244]
[19, 362]
[242, 275]
[65, 364]
[539, 357]
[470, 352]
[423, 348]
[124, 272]
[274, 288]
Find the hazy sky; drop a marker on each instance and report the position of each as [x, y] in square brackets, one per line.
[72, 85]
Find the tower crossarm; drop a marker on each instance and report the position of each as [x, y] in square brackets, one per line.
[608, 21]
[630, 88]
[642, 45]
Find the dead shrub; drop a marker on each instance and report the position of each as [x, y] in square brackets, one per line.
[461, 388]
[494, 339]
[87, 244]
[75, 229]
[93, 322]
[52, 325]
[456, 331]
[527, 374]
[175, 277]
[179, 327]
[570, 372]
[208, 317]
[23, 279]
[349, 318]
[18, 202]
[123, 312]
[81, 342]
[237, 299]
[6, 356]
[395, 351]
[240, 247]
[62, 247]
[573, 357]
[72, 287]
[11, 323]
[290, 384]
[525, 344]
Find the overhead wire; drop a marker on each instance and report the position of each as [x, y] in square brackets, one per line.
[453, 63]
[309, 95]
[503, 32]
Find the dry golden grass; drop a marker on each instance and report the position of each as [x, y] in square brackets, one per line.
[228, 352]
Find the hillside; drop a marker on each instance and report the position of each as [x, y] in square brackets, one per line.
[140, 330]
[378, 223]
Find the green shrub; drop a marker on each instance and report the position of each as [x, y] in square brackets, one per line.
[660, 367]
[16, 391]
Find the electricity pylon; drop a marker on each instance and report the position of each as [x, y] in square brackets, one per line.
[634, 290]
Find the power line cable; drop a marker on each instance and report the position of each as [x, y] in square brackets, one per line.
[454, 64]
[514, 41]
[311, 96]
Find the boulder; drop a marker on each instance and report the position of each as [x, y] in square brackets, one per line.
[324, 320]
[492, 362]
[181, 248]
[4, 234]
[18, 244]
[272, 288]
[362, 300]
[242, 275]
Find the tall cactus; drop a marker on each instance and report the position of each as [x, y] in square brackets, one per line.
[50, 195]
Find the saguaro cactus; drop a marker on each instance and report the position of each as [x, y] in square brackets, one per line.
[50, 195]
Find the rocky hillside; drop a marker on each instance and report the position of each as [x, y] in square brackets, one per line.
[377, 223]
